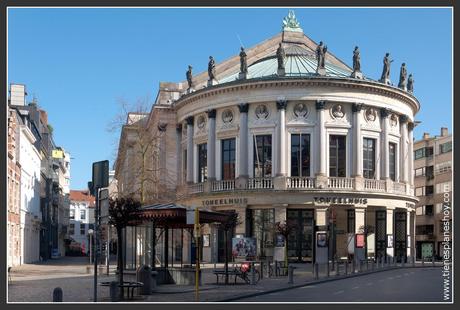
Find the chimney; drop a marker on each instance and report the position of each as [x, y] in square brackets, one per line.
[44, 117]
[426, 136]
[18, 94]
[444, 131]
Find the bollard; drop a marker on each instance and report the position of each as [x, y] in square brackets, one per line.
[57, 294]
[353, 265]
[253, 274]
[261, 270]
[338, 269]
[372, 265]
[327, 266]
[290, 274]
[316, 271]
[432, 260]
[360, 265]
[276, 268]
[333, 267]
[114, 291]
[413, 261]
[423, 261]
[367, 264]
[346, 268]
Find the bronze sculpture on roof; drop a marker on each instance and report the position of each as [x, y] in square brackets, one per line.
[188, 74]
[403, 77]
[356, 60]
[321, 54]
[211, 68]
[243, 61]
[281, 55]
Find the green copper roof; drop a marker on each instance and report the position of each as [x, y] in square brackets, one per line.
[300, 62]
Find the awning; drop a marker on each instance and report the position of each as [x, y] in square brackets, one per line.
[175, 216]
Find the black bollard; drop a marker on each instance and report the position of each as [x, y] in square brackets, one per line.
[57, 294]
[114, 291]
[290, 274]
[316, 271]
[327, 267]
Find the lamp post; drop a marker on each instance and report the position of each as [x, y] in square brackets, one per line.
[90, 233]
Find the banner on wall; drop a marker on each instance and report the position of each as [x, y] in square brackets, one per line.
[244, 248]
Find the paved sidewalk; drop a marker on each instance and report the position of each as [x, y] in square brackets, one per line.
[35, 283]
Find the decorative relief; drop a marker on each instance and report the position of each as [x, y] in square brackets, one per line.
[337, 111]
[371, 114]
[262, 112]
[201, 125]
[227, 116]
[301, 110]
[393, 120]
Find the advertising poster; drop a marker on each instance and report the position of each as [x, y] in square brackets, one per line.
[360, 241]
[389, 241]
[244, 248]
[321, 240]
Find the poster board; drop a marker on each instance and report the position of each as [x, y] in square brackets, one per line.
[244, 248]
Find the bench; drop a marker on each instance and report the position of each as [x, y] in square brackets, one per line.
[231, 272]
[127, 285]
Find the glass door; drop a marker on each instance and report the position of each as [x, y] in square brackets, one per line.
[300, 241]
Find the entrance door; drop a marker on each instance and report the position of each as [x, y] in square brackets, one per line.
[300, 241]
[380, 233]
[427, 250]
[400, 236]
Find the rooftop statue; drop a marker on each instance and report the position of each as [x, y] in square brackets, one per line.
[290, 22]
[281, 55]
[356, 60]
[410, 84]
[188, 74]
[386, 68]
[243, 61]
[320, 55]
[403, 77]
[211, 68]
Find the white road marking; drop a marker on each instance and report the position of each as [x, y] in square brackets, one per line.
[310, 286]
[338, 292]
[355, 288]
[369, 284]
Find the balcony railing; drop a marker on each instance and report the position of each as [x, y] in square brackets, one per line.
[222, 186]
[260, 183]
[196, 188]
[300, 183]
[375, 185]
[340, 183]
[399, 188]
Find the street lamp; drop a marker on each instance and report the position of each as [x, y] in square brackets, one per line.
[90, 233]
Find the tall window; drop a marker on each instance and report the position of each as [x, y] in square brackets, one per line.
[71, 228]
[72, 214]
[351, 221]
[369, 158]
[263, 229]
[202, 162]
[263, 156]
[228, 159]
[82, 214]
[337, 156]
[82, 229]
[300, 155]
[392, 150]
[445, 147]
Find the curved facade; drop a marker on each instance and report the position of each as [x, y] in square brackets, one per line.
[328, 152]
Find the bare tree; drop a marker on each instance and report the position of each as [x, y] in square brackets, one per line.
[123, 212]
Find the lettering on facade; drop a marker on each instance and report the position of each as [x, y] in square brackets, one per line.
[224, 201]
[340, 200]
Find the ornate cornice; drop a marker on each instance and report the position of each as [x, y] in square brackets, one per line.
[189, 120]
[243, 107]
[248, 84]
[320, 104]
[281, 104]
[211, 113]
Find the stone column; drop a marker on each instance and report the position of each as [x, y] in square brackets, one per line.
[179, 153]
[281, 148]
[321, 175]
[211, 147]
[404, 177]
[357, 147]
[390, 212]
[410, 155]
[190, 178]
[384, 113]
[243, 147]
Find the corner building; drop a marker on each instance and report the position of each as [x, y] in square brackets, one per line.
[330, 152]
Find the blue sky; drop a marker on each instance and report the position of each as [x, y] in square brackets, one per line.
[79, 62]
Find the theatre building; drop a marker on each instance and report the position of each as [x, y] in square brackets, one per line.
[275, 135]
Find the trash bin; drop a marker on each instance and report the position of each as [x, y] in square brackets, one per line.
[144, 275]
[114, 291]
[154, 280]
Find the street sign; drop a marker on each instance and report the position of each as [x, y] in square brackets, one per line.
[101, 174]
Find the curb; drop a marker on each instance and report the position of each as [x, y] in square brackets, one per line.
[330, 279]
